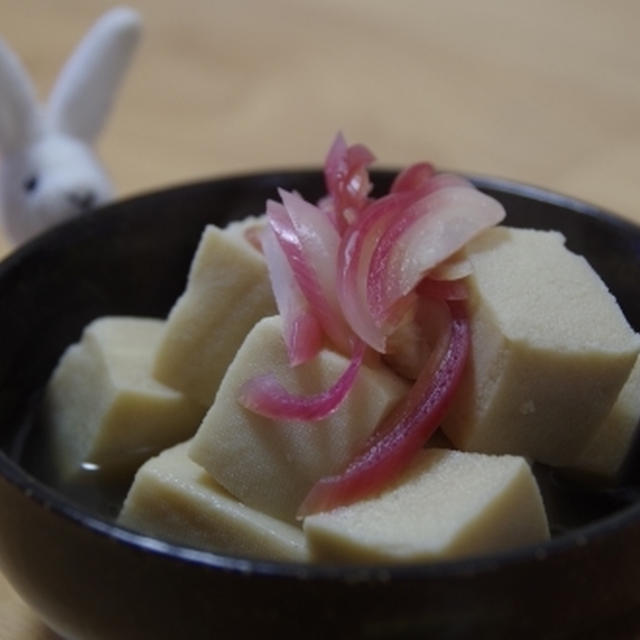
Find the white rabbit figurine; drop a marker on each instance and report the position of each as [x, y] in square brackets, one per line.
[48, 170]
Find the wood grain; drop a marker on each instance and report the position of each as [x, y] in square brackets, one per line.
[544, 92]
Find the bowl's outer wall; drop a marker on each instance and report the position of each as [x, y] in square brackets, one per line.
[132, 258]
[92, 586]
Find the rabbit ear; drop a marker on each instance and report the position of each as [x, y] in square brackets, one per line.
[20, 118]
[87, 85]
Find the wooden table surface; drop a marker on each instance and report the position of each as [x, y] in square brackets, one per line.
[545, 92]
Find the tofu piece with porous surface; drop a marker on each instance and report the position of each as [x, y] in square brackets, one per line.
[271, 465]
[104, 412]
[174, 499]
[228, 291]
[447, 504]
[550, 349]
[606, 452]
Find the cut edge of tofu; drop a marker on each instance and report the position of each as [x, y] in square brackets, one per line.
[92, 454]
[130, 367]
[180, 345]
[237, 229]
[495, 366]
[301, 450]
[71, 445]
[605, 454]
[330, 540]
[209, 518]
[578, 277]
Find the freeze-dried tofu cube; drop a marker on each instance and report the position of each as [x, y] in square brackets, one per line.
[104, 411]
[446, 504]
[271, 465]
[605, 453]
[174, 499]
[550, 349]
[228, 291]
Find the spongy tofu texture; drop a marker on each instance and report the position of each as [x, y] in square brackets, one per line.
[605, 453]
[541, 292]
[447, 504]
[174, 499]
[551, 349]
[228, 291]
[102, 405]
[271, 465]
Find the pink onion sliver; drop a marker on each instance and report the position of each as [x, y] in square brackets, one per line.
[422, 179]
[302, 265]
[413, 177]
[318, 243]
[430, 231]
[391, 449]
[302, 332]
[266, 396]
[351, 294]
[354, 255]
[359, 156]
[443, 289]
[357, 184]
[335, 163]
[351, 302]
[304, 338]
[425, 183]
[444, 180]
[378, 302]
[347, 179]
[315, 232]
[454, 268]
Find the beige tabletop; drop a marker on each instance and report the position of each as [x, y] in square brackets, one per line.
[543, 91]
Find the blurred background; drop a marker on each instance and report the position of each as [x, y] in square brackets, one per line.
[539, 91]
[542, 91]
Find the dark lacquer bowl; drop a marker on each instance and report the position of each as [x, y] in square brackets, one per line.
[89, 578]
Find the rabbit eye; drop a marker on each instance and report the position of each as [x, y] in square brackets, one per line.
[30, 183]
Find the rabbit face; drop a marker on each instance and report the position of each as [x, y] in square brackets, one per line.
[50, 181]
[48, 171]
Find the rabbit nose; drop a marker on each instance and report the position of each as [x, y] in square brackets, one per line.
[83, 200]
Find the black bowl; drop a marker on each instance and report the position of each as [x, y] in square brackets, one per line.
[89, 578]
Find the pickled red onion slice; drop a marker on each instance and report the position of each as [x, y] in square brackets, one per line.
[302, 332]
[266, 396]
[430, 231]
[354, 255]
[307, 259]
[413, 177]
[317, 242]
[443, 289]
[434, 315]
[353, 269]
[454, 268]
[422, 180]
[347, 180]
[421, 339]
[359, 244]
[392, 447]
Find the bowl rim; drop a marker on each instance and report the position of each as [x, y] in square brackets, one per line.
[55, 501]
